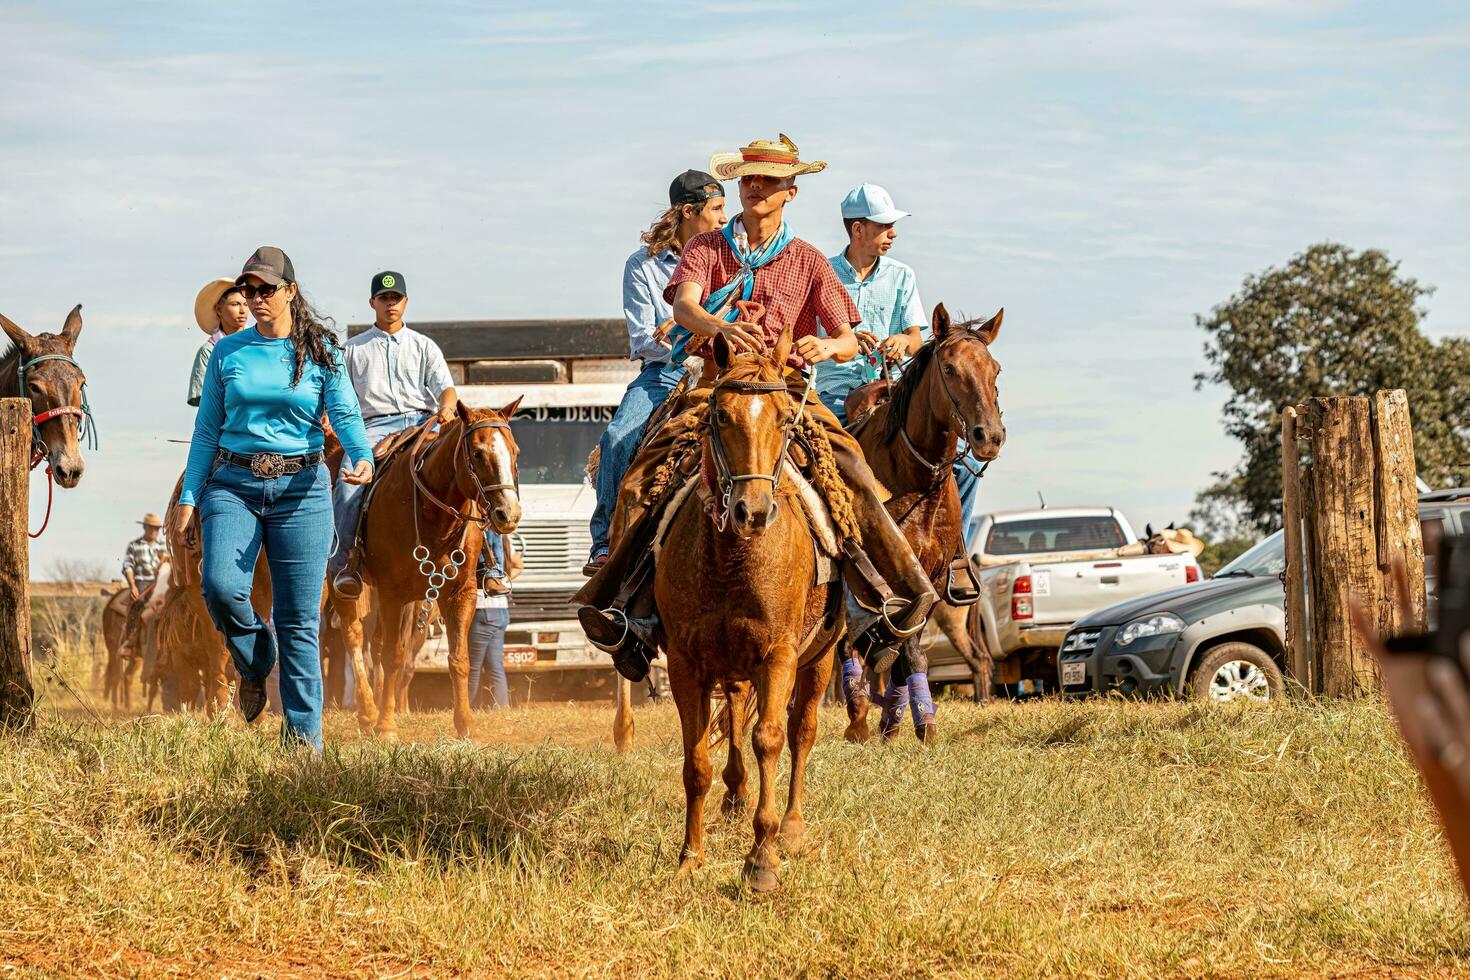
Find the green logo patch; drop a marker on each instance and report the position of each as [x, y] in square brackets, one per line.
[389, 282]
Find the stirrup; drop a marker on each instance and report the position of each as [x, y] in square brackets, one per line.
[347, 585]
[898, 633]
[968, 594]
[611, 611]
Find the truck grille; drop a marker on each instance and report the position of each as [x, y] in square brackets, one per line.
[555, 547]
[530, 605]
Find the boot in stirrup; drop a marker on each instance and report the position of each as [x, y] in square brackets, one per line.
[628, 639]
[879, 644]
[962, 587]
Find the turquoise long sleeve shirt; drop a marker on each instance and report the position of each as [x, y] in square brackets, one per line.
[248, 405]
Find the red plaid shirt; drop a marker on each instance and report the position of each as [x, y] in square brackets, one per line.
[797, 287]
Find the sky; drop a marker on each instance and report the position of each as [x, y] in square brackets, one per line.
[1103, 171]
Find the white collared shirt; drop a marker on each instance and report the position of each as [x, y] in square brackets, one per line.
[396, 373]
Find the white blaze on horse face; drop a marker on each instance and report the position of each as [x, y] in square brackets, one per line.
[504, 463]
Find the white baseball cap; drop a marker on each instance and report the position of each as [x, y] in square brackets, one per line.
[871, 202]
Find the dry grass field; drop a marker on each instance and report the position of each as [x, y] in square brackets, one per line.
[1053, 838]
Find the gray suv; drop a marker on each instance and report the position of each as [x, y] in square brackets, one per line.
[1219, 640]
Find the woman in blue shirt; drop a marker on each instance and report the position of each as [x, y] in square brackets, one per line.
[256, 473]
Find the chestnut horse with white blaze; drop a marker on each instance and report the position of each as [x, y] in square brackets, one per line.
[422, 528]
[741, 608]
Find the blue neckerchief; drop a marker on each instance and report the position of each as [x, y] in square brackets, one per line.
[721, 302]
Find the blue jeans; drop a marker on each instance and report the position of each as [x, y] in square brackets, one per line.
[292, 517]
[347, 497]
[618, 444]
[487, 647]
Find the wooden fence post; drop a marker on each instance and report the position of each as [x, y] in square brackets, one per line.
[1396, 505]
[17, 697]
[1298, 659]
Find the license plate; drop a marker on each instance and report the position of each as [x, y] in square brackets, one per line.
[1074, 673]
[520, 655]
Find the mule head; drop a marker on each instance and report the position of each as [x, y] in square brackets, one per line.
[52, 384]
[491, 453]
[750, 416]
[967, 387]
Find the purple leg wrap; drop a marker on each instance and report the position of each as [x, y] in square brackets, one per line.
[895, 701]
[920, 700]
[852, 676]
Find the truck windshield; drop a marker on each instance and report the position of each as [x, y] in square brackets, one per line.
[1038, 535]
[1265, 558]
[555, 442]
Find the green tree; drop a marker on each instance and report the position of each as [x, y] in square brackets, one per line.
[1330, 322]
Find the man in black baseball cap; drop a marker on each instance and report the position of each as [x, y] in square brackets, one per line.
[694, 187]
[270, 264]
[389, 282]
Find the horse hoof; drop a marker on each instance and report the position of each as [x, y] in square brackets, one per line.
[857, 732]
[761, 881]
[792, 839]
[734, 807]
[388, 735]
[689, 864]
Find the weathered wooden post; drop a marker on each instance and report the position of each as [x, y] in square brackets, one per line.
[17, 697]
[1358, 510]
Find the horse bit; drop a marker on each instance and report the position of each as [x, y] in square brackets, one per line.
[87, 427]
[439, 576]
[724, 478]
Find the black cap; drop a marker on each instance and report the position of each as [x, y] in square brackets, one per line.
[270, 264]
[690, 187]
[389, 282]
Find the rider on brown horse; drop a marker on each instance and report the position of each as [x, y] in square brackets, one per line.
[748, 283]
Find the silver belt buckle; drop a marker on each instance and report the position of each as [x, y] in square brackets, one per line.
[267, 466]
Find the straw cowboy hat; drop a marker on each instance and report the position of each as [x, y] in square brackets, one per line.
[205, 313]
[768, 158]
[151, 520]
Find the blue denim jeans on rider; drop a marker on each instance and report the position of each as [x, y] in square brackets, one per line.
[487, 648]
[292, 517]
[618, 444]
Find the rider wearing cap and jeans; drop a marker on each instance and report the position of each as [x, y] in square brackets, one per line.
[696, 204]
[401, 379]
[257, 474]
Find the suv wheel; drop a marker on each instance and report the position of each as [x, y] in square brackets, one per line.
[1237, 672]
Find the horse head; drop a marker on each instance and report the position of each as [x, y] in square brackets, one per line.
[750, 422]
[55, 385]
[967, 374]
[490, 472]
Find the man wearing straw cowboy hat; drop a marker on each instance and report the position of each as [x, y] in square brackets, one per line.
[747, 283]
[145, 555]
[220, 310]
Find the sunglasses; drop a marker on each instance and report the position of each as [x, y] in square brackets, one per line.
[263, 292]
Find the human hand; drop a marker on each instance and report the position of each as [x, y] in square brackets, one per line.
[744, 336]
[867, 341]
[133, 592]
[661, 333]
[897, 347]
[445, 415]
[182, 527]
[359, 474]
[814, 350]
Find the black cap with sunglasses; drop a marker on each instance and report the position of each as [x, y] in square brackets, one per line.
[270, 264]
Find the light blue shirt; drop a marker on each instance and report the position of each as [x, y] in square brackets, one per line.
[248, 405]
[889, 303]
[645, 277]
[396, 373]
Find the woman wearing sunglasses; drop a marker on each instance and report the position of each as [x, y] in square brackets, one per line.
[256, 473]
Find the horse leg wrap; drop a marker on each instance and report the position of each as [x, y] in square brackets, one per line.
[852, 679]
[921, 702]
[895, 703]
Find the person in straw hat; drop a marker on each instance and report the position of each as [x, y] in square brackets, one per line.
[220, 310]
[144, 555]
[748, 282]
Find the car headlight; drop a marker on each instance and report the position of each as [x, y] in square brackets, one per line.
[1148, 626]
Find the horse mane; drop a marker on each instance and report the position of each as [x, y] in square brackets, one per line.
[750, 367]
[901, 395]
[9, 370]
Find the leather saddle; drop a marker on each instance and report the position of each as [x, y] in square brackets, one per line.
[864, 398]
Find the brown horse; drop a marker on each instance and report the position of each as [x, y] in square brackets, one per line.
[41, 368]
[422, 531]
[739, 604]
[912, 441]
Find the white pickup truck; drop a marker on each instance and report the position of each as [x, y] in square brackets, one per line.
[1040, 571]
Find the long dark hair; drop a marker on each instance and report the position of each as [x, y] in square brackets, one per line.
[311, 336]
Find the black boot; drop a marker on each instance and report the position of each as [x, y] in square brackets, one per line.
[626, 639]
[880, 644]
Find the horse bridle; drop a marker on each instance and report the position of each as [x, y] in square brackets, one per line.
[86, 427]
[482, 490]
[962, 453]
[724, 478]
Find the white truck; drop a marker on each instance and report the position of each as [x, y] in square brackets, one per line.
[570, 376]
[1042, 570]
